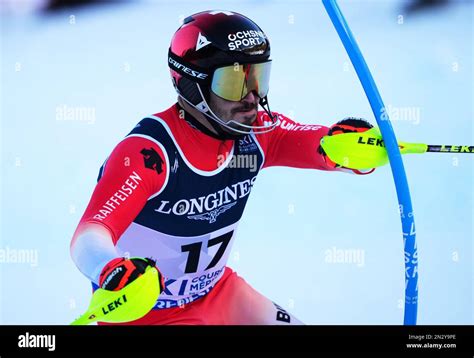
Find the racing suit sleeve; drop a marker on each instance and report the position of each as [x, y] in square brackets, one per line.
[136, 170]
[293, 144]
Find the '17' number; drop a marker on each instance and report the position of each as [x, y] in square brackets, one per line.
[194, 250]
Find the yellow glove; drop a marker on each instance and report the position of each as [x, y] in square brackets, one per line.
[129, 290]
[340, 151]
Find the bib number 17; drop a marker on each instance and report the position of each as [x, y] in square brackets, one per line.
[194, 251]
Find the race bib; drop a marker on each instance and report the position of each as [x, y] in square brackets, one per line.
[191, 266]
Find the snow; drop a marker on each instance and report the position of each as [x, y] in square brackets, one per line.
[109, 63]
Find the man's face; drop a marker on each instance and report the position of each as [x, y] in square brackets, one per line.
[243, 111]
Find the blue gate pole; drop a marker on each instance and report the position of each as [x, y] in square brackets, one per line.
[396, 163]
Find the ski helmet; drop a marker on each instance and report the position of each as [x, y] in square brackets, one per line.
[226, 53]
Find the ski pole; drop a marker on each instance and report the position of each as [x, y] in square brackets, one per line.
[449, 148]
[363, 150]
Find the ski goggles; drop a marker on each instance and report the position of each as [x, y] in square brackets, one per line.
[234, 82]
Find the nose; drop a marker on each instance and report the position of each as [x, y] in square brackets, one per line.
[251, 97]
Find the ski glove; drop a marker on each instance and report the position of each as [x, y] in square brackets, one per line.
[120, 272]
[347, 125]
[128, 290]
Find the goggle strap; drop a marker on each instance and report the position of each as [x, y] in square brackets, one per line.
[188, 70]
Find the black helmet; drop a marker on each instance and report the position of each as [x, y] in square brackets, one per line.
[223, 52]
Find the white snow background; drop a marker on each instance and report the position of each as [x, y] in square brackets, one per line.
[111, 60]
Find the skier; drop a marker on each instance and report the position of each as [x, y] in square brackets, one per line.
[171, 193]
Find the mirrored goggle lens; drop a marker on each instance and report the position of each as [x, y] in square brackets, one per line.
[234, 82]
